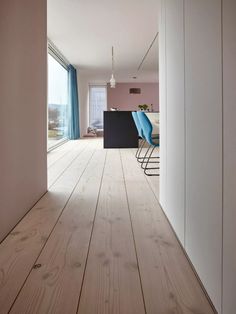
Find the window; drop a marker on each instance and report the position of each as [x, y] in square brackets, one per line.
[57, 102]
[97, 104]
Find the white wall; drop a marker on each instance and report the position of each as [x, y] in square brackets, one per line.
[175, 114]
[203, 98]
[23, 108]
[198, 137]
[162, 96]
[229, 142]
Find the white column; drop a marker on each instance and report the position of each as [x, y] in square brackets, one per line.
[229, 142]
[23, 108]
[203, 90]
[175, 105]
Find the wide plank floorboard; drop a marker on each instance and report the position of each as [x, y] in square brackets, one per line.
[169, 283]
[154, 181]
[65, 161]
[57, 153]
[112, 283]
[54, 287]
[97, 243]
[20, 250]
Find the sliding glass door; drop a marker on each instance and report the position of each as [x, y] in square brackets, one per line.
[57, 102]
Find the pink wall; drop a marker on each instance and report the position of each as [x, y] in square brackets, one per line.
[120, 98]
[23, 108]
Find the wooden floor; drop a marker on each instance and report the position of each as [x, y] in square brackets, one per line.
[97, 243]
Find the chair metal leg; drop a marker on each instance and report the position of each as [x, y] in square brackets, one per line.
[140, 159]
[140, 149]
[150, 168]
[148, 160]
[152, 174]
[145, 156]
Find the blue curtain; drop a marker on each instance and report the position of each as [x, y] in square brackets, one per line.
[74, 129]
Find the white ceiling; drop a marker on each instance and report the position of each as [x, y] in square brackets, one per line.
[85, 30]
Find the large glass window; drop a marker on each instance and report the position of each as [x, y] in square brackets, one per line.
[97, 104]
[57, 102]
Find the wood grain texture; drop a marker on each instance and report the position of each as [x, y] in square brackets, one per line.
[112, 283]
[55, 286]
[169, 283]
[57, 168]
[154, 181]
[54, 155]
[19, 251]
[98, 243]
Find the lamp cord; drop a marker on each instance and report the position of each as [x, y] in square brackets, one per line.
[112, 54]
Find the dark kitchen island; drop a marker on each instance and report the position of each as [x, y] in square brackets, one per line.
[119, 130]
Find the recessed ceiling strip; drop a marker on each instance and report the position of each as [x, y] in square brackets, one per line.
[152, 43]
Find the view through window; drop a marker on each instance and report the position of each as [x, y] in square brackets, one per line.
[57, 102]
[97, 104]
